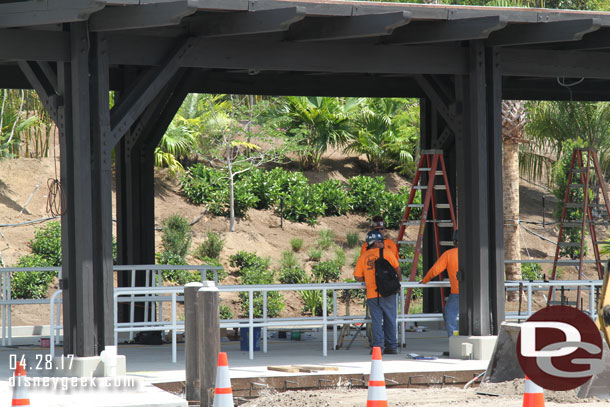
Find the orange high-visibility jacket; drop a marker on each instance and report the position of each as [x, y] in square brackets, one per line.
[388, 246]
[448, 261]
[365, 267]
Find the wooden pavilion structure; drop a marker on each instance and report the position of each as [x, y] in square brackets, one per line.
[461, 62]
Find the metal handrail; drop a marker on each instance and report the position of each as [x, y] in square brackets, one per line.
[153, 274]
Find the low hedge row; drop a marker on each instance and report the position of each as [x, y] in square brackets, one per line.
[303, 202]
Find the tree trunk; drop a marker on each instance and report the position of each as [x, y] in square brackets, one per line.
[512, 245]
[231, 190]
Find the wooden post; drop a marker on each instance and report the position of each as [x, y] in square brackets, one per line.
[209, 340]
[191, 341]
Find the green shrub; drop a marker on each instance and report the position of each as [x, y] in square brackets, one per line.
[314, 254]
[180, 277]
[296, 243]
[326, 239]
[313, 300]
[365, 192]
[211, 247]
[248, 261]
[288, 259]
[202, 184]
[355, 256]
[225, 312]
[283, 183]
[531, 271]
[326, 271]
[392, 207]
[29, 284]
[47, 243]
[244, 199]
[206, 185]
[292, 275]
[275, 302]
[353, 238]
[340, 257]
[334, 197]
[303, 204]
[208, 261]
[176, 237]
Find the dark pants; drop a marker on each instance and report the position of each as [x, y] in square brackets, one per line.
[383, 314]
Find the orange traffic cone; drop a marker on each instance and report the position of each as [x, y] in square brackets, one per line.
[223, 395]
[533, 395]
[377, 396]
[21, 395]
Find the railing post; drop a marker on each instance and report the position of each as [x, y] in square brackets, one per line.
[191, 341]
[209, 340]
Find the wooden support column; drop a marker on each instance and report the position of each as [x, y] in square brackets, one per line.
[480, 195]
[86, 195]
[135, 182]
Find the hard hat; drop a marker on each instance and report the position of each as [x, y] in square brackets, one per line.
[455, 236]
[373, 236]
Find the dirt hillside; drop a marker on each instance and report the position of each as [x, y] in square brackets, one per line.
[25, 181]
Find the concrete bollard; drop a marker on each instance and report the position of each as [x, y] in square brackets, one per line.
[191, 341]
[209, 340]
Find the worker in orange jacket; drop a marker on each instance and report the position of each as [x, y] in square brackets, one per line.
[388, 244]
[448, 261]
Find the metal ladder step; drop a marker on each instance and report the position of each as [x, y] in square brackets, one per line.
[446, 243]
[572, 262]
[571, 224]
[425, 187]
[576, 186]
[427, 169]
[440, 223]
[601, 242]
[569, 244]
[406, 242]
[442, 206]
[580, 205]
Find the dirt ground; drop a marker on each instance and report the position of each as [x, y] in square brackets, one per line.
[25, 181]
[508, 394]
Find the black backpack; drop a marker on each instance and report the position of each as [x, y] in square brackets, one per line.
[385, 277]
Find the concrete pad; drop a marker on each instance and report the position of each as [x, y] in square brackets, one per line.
[504, 364]
[85, 367]
[599, 385]
[471, 347]
[152, 364]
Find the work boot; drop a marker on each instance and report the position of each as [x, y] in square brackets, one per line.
[392, 351]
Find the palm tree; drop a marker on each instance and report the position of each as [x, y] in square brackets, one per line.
[316, 122]
[513, 129]
[387, 133]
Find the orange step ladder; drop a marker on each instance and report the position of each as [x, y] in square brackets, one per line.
[431, 164]
[584, 175]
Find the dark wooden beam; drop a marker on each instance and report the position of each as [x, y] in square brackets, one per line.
[130, 107]
[43, 87]
[547, 63]
[11, 77]
[142, 16]
[495, 225]
[421, 32]
[34, 45]
[259, 55]
[594, 41]
[438, 100]
[341, 28]
[245, 23]
[101, 190]
[559, 31]
[287, 84]
[32, 13]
